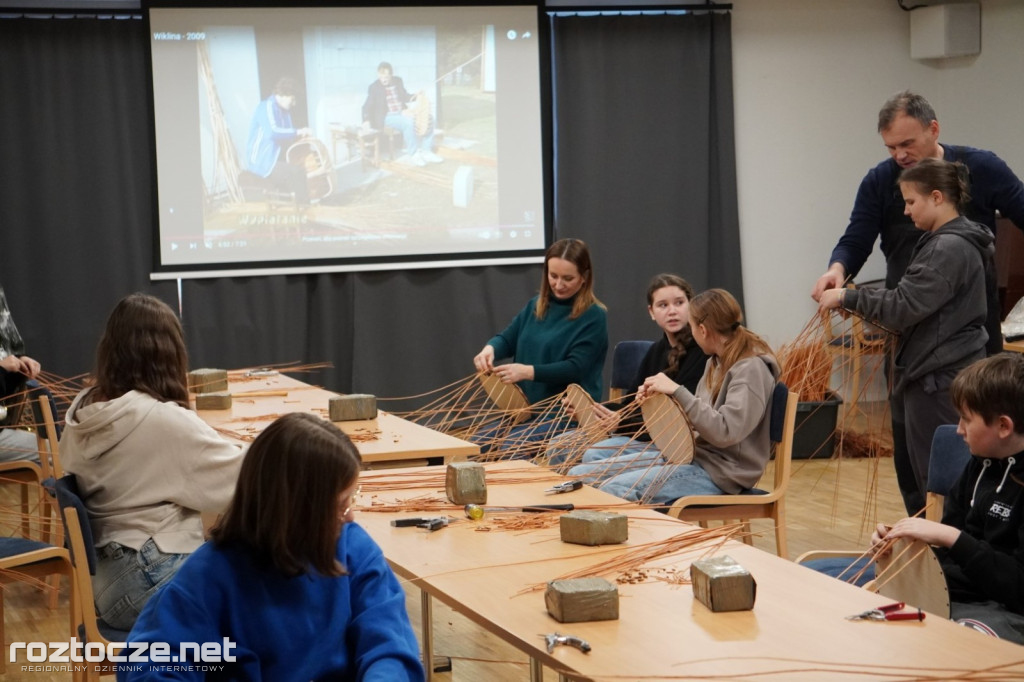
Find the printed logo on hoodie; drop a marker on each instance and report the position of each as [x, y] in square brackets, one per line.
[1000, 510]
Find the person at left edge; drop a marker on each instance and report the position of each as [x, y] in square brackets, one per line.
[15, 369]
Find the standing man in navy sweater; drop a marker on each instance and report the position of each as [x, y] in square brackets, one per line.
[910, 131]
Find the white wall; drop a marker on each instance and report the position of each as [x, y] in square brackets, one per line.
[809, 78]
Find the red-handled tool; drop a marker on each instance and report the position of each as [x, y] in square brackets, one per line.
[892, 611]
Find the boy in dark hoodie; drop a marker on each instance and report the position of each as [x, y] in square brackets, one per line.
[981, 537]
[938, 307]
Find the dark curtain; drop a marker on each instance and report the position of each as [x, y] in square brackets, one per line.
[644, 174]
[393, 334]
[75, 181]
[645, 168]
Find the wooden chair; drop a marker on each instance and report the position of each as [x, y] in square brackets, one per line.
[82, 554]
[26, 473]
[626, 359]
[755, 504]
[919, 578]
[31, 475]
[28, 560]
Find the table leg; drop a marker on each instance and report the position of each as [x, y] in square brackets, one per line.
[536, 670]
[427, 624]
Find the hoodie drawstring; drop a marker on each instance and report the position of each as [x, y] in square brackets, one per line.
[1009, 465]
[985, 464]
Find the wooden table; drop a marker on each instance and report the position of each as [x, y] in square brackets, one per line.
[1016, 346]
[797, 630]
[382, 440]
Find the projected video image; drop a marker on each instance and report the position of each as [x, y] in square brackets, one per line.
[308, 135]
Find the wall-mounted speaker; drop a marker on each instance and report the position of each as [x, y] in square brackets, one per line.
[940, 31]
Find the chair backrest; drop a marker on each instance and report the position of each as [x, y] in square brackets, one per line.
[626, 359]
[47, 433]
[68, 497]
[949, 457]
[783, 424]
[777, 417]
[83, 566]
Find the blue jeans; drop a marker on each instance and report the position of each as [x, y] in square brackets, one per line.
[125, 579]
[18, 445]
[614, 457]
[645, 477]
[564, 446]
[523, 441]
[844, 568]
[407, 126]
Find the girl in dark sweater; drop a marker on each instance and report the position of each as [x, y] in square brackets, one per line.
[675, 353]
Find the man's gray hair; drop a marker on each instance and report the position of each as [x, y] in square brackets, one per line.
[908, 103]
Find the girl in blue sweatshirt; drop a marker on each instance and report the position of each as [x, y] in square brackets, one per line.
[288, 587]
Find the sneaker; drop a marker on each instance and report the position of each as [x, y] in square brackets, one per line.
[431, 157]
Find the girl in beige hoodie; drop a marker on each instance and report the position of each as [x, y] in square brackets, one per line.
[146, 465]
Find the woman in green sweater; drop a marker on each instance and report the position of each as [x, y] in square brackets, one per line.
[559, 338]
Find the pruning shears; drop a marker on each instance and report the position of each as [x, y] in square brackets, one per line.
[892, 611]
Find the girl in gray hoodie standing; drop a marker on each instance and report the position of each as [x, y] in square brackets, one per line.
[938, 307]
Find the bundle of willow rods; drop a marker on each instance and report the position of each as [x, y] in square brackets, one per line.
[707, 540]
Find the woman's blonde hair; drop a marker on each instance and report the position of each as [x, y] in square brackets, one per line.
[719, 312]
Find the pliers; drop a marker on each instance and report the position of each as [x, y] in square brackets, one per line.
[889, 612]
[554, 639]
[430, 524]
[566, 487]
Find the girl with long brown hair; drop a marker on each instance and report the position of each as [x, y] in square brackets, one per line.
[675, 353]
[301, 591]
[146, 465]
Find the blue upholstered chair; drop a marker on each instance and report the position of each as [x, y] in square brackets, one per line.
[949, 457]
[755, 503]
[948, 460]
[626, 359]
[29, 476]
[28, 560]
[83, 561]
